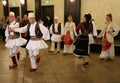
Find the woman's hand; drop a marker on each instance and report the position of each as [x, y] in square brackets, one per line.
[110, 32]
[97, 37]
[78, 35]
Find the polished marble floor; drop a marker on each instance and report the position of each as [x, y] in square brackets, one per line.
[57, 68]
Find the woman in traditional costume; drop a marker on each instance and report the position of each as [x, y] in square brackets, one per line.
[85, 32]
[109, 31]
[70, 33]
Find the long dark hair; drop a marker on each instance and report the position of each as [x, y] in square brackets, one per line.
[88, 23]
[88, 20]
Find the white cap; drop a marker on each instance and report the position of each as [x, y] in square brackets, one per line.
[31, 15]
[55, 17]
[12, 13]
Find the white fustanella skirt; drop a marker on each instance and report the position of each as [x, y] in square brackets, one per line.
[15, 42]
[36, 45]
[56, 38]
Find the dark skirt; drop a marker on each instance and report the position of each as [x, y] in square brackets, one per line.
[81, 45]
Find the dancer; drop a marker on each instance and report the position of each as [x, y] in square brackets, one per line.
[56, 31]
[70, 33]
[109, 31]
[13, 40]
[85, 32]
[37, 32]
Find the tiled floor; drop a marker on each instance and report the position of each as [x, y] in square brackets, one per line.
[56, 68]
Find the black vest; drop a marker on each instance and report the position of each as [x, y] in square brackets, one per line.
[59, 28]
[38, 32]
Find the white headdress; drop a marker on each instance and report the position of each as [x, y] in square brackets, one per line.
[31, 15]
[12, 13]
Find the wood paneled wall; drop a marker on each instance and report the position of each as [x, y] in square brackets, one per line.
[72, 8]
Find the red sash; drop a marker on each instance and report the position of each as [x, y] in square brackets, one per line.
[96, 40]
[67, 39]
[105, 43]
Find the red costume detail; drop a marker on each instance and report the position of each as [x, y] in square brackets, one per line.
[67, 39]
[105, 44]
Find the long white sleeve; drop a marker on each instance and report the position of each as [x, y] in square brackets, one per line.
[45, 32]
[51, 29]
[13, 25]
[116, 29]
[74, 28]
[62, 29]
[21, 29]
[102, 32]
[94, 30]
[6, 32]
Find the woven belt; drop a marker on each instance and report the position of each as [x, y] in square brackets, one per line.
[13, 36]
[56, 33]
[34, 38]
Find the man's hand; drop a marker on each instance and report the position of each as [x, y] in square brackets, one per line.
[10, 37]
[10, 29]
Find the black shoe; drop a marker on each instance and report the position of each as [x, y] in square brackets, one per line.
[79, 57]
[109, 59]
[86, 64]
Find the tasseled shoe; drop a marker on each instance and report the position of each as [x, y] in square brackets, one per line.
[14, 63]
[12, 66]
[32, 70]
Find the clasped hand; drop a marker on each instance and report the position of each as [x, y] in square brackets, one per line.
[10, 29]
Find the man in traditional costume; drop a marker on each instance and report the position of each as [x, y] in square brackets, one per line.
[85, 31]
[13, 40]
[56, 31]
[109, 31]
[37, 32]
[70, 33]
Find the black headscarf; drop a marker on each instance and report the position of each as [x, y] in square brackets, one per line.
[88, 17]
[88, 23]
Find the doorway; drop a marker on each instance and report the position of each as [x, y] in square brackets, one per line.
[15, 10]
[72, 8]
[47, 11]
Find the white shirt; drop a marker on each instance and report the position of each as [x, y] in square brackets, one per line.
[32, 29]
[13, 25]
[44, 30]
[56, 28]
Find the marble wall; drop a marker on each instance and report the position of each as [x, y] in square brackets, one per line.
[99, 9]
[58, 8]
